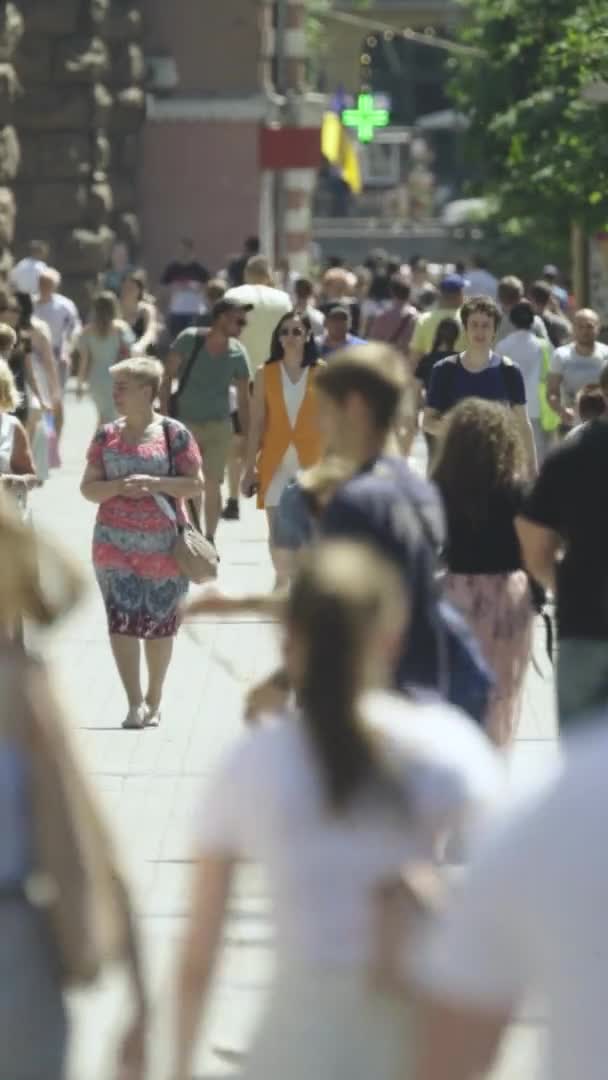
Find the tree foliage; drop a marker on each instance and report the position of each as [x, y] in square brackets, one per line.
[317, 37]
[542, 149]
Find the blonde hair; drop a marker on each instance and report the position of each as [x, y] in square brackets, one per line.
[146, 370]
[8, 338]
[38, 582]
[10, 398]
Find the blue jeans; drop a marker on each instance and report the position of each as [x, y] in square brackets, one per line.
[582, 679]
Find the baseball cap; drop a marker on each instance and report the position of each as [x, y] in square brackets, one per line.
[550, 271]
[452, 283]
[226, 305]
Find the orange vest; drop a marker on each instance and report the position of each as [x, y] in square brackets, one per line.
[278, 432]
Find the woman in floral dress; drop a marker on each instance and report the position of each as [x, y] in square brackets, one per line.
[140, 489]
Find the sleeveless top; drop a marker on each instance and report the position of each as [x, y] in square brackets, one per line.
[281, 431]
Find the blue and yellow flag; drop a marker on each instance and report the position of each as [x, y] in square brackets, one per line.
[338, 147]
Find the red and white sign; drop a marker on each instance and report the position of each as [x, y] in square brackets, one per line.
[283, 148]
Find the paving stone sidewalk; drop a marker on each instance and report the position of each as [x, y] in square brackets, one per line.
[151, 782]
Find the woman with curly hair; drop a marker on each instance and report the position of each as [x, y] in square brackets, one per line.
[479, 468]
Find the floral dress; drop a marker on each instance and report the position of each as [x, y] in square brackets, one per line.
[139, 579]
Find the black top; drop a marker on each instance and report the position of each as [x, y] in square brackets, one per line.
[180, 271]
[569, 497]
[490, 547]
[427, 363]
[388, 506]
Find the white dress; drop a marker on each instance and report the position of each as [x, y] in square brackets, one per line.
[293, 396]
[323, 1018]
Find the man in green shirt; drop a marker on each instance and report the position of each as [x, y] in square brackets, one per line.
[451, 297]
[219, 362]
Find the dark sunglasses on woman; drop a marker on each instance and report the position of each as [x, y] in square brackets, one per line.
[294, 332]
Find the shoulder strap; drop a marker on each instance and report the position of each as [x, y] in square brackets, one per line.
[192, 507]
[198, 344]
[449, 371]
[509, 372]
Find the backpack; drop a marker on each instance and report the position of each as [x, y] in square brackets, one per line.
[464, 678]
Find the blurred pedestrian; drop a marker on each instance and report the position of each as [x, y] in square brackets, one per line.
[25, 274]
[347, 789]
[395, 325]
[139, 313]
[533, 357]
[576, 364]
[338, 334]
[64, 910]
[545, 305]
[529, 920]
[591, 405]
[103, 343]
[563, 529]
[451, 296]
[61, 317]
[17, 471]
[265, 304]
[511, 292]
[479, 469]
[184, 280]
[140, 469]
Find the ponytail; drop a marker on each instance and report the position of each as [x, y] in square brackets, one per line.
[341, 599]
[328, 695]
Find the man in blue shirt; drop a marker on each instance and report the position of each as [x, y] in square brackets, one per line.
[479, 372]
[337, 331]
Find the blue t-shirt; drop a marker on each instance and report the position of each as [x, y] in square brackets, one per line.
[351, 339]
[401, 515]
[451, 382]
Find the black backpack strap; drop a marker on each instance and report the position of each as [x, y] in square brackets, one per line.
[449, 371]
[512, 384]
[198, 344]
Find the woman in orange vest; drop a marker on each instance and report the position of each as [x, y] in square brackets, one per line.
[284, 433]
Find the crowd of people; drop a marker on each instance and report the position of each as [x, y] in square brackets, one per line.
[406, 592]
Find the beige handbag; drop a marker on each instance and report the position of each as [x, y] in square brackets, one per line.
[195, 556]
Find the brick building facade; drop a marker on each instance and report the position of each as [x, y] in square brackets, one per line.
[200, 172]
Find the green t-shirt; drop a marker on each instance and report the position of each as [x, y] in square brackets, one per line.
[426, 328]
[205, 396]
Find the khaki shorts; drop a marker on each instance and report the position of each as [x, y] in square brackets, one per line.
[213, 439]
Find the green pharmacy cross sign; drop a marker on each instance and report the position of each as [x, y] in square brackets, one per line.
[366, 117]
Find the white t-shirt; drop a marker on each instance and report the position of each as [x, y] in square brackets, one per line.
[268, 804]
[532, 915]
[577, 370]
[481, 283]
[527, 351]
[61, 316]
[269, 305]
[25, 274]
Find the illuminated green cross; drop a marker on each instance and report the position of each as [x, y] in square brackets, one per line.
[366, 117]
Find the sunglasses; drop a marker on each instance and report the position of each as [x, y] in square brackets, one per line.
[295, 331]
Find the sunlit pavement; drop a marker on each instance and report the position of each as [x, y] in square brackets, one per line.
[152, 781]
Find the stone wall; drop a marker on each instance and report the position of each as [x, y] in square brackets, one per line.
[71, 109]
